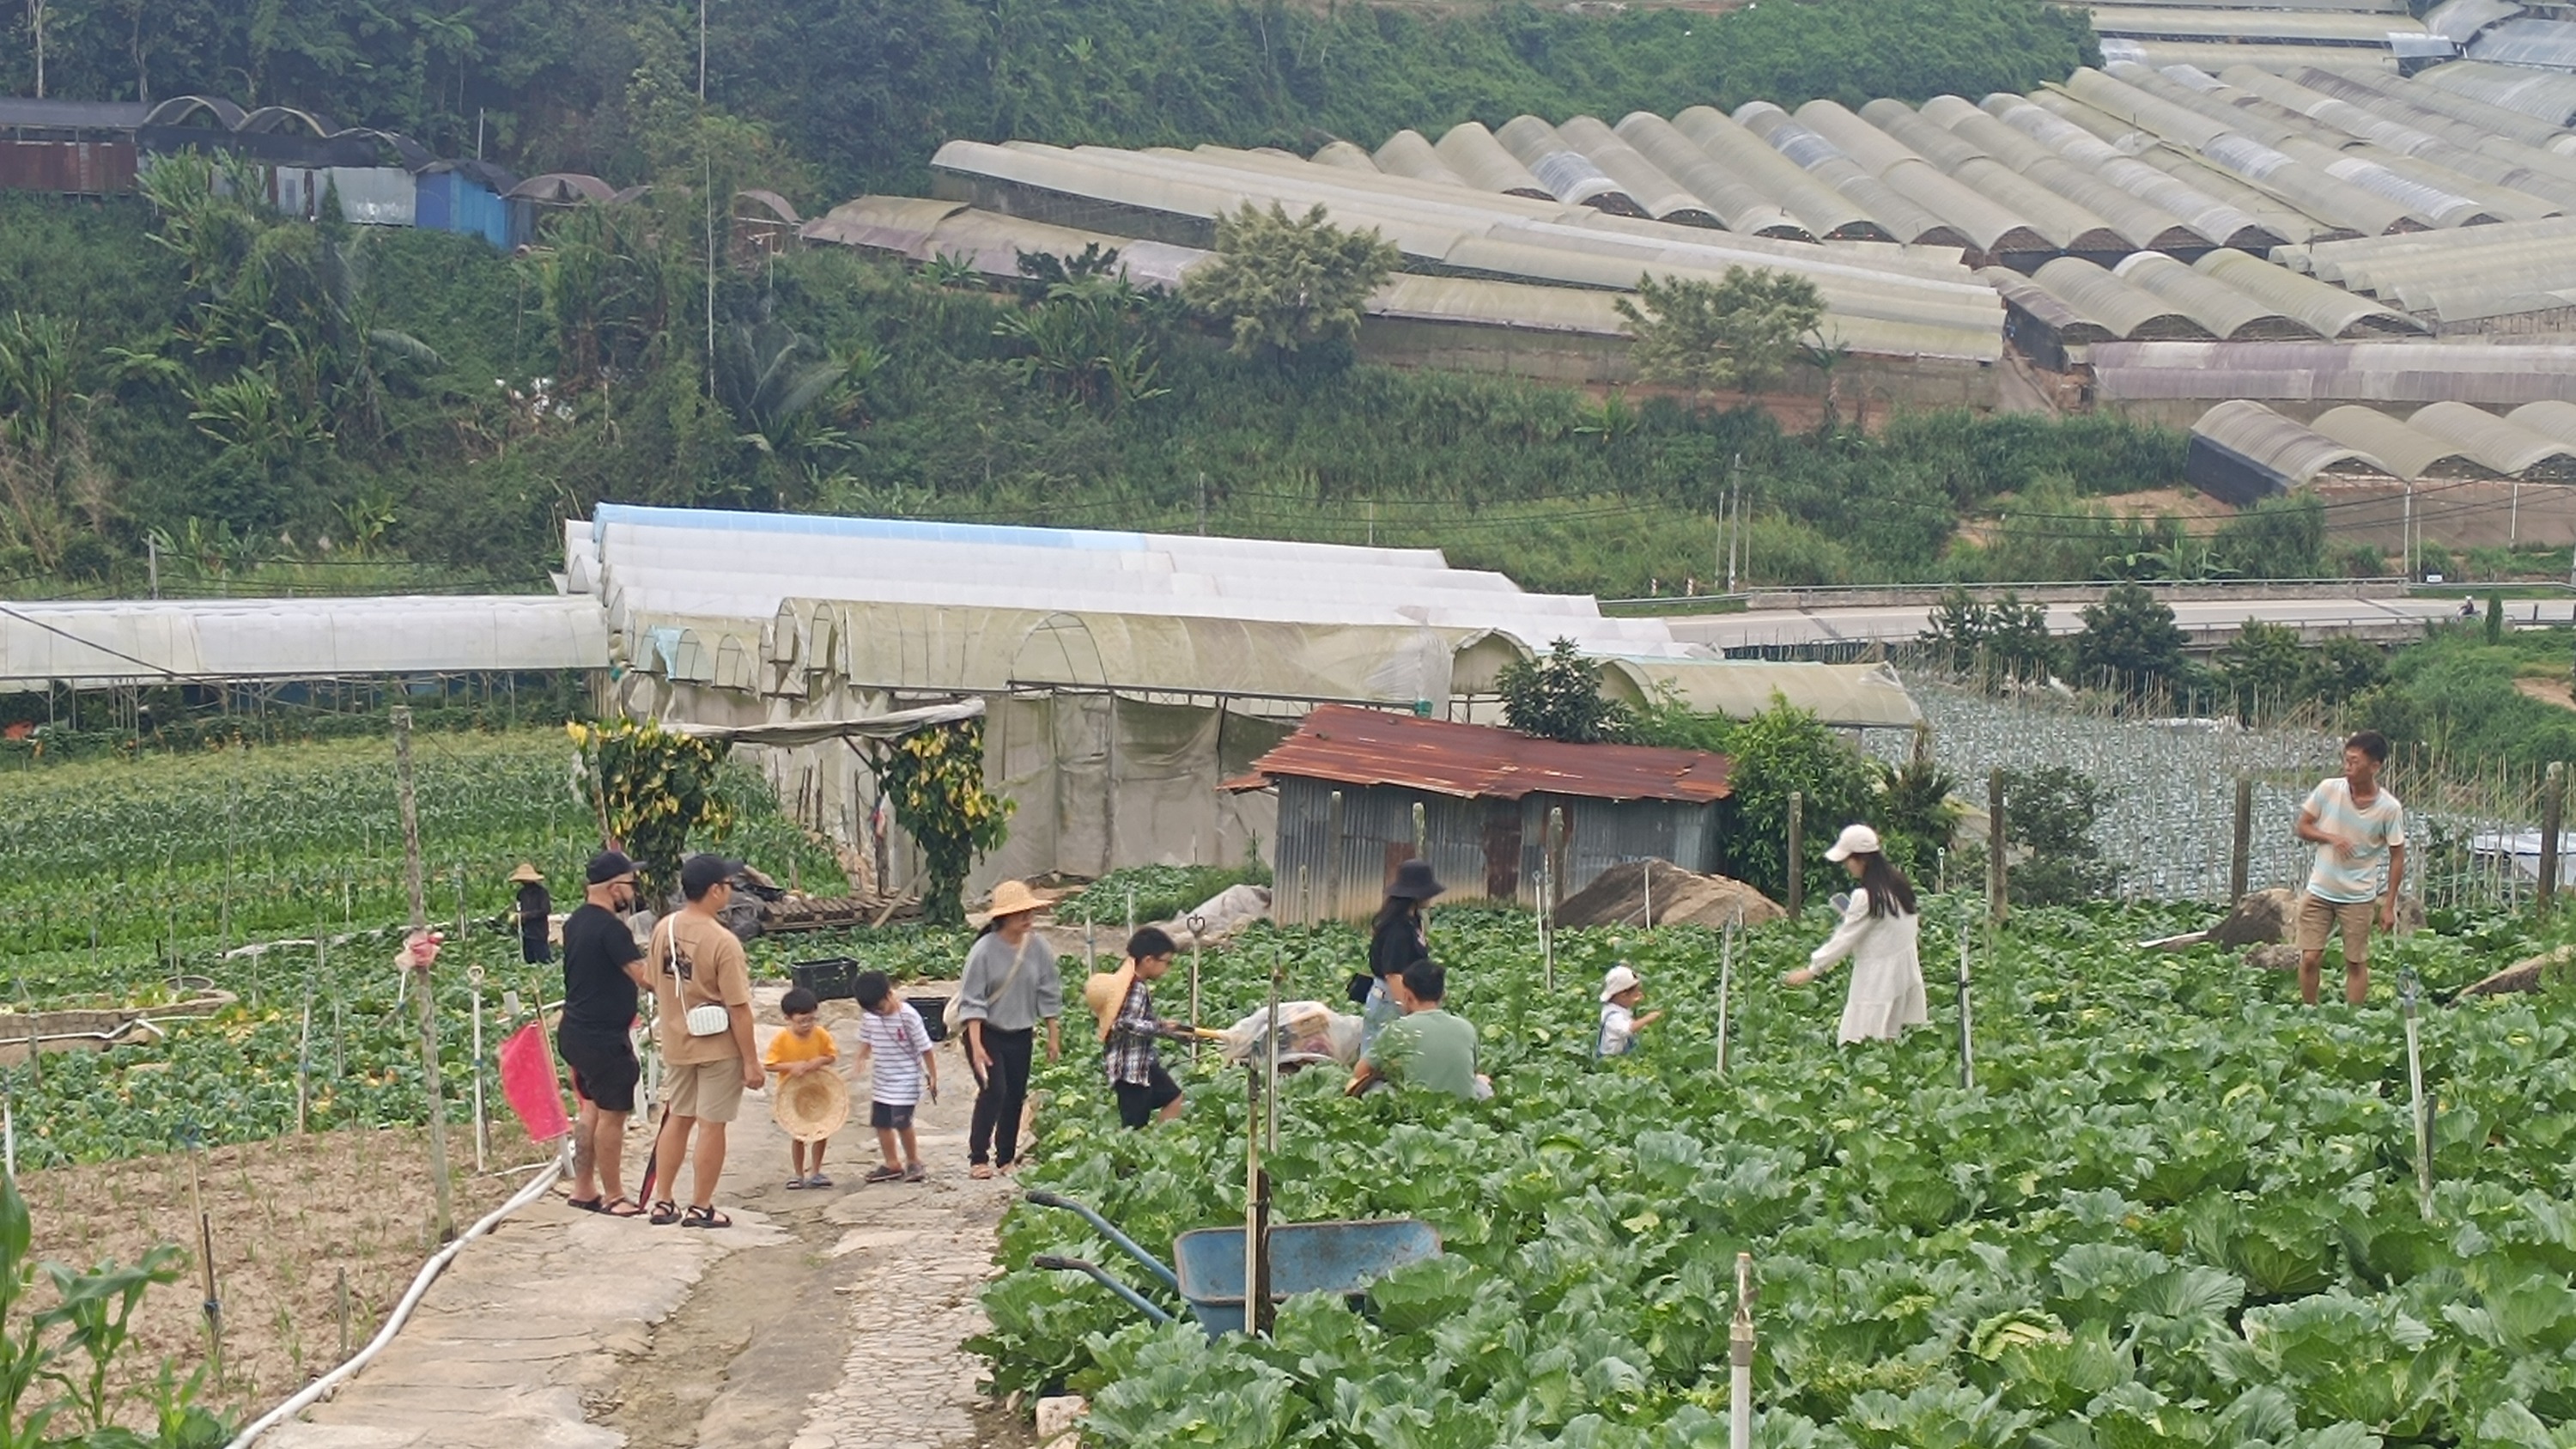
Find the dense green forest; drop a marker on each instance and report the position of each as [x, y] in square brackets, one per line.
[861, 91]
[281, 404]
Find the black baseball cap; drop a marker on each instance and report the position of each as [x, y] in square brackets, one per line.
[608, 865]
[701, 873]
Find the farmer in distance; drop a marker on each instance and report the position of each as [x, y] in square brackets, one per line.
[2359, 830]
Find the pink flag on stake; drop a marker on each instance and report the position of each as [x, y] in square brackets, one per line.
[529, 1084]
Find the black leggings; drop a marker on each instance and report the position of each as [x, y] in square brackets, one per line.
[1003, 1097]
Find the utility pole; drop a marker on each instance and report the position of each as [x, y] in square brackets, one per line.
[446, 1221]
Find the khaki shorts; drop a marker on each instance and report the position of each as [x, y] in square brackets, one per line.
[708, 1091]
[2319, 918]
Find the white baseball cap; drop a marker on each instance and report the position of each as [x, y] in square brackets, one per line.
[1621, 978]
[1855, 840]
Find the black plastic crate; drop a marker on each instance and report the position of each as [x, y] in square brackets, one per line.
[829, 978]
[934, 1015]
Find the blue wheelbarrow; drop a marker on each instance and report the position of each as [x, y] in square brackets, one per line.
[1331, 1257]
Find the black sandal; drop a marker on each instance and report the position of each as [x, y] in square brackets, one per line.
[705, 1217]
[665, 1213]
[632, 1208]
[585, 1204]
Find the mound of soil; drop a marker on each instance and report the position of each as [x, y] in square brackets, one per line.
[1620, 896]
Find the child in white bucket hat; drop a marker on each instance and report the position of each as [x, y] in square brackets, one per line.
[1622, 992]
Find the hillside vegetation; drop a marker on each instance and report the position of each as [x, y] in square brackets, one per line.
[305, 451]
[862, 90]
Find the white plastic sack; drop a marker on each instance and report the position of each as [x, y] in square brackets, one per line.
[1308, 1027]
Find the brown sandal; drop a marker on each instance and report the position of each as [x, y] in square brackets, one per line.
[665, 1213]
[620, 1207]
[705, 1217]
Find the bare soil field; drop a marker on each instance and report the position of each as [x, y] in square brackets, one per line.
[290, 1221]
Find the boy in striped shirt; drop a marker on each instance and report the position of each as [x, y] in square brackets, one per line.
[897, 1048]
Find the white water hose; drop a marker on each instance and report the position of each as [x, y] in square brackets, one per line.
[329, 1383]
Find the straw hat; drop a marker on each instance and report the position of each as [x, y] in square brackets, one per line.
[528, 874]
[1106, 991]
[1855, 840]
[811, 1107]
[1012, 897]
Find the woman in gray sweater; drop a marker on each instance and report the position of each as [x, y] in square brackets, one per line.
[1010, 985]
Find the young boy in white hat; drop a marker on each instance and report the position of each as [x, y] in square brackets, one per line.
[1622, 992]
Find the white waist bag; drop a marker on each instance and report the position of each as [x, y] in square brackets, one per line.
[711, 1019]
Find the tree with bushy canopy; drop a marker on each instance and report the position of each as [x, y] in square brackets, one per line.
[1739, 332]
[1282, 284]
[2130, 639]
[1557, 696]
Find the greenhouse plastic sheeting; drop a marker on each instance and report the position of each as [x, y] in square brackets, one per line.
[135, 641]
[1852, 695]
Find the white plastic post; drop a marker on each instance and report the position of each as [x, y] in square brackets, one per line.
[1740, 1358]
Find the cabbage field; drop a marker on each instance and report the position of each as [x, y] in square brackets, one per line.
[2177, 1209]
[116, 876]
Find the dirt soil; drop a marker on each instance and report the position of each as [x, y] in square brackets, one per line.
[2547, 691]
[288, 1217]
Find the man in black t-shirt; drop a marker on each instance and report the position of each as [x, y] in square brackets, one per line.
[603, 971]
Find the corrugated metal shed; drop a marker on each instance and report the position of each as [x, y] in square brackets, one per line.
[1337, 847]
[2243, 452]
[1351, 746]
[2503, 445]
[2408, 453]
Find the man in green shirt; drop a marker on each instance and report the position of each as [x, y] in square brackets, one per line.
[1428, 1048]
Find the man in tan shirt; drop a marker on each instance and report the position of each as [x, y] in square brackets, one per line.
[696, 963]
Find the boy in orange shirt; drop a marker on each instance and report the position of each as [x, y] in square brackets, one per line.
[803, 1047]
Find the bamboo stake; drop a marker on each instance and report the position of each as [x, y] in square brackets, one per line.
[444, 1224]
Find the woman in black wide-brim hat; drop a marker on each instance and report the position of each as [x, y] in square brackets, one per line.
[1396, 941]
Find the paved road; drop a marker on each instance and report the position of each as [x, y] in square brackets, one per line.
[2207, 621]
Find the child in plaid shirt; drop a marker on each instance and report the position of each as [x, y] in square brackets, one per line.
[1134, 1067]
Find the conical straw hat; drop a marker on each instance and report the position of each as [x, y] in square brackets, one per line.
[811, 1107]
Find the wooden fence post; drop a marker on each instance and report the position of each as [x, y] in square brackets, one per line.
[1797, 852]
[2553, 802]
[1996, 882]
[2240, 857]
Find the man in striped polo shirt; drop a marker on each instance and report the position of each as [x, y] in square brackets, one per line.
[2360, 834]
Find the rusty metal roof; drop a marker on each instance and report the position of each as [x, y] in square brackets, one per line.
[1353, 746]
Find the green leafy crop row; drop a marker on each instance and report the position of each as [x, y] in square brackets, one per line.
[2177, 1209]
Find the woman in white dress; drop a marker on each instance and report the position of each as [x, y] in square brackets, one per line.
[1879, 932]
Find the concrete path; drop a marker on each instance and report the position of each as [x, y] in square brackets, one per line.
[826, 1318]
